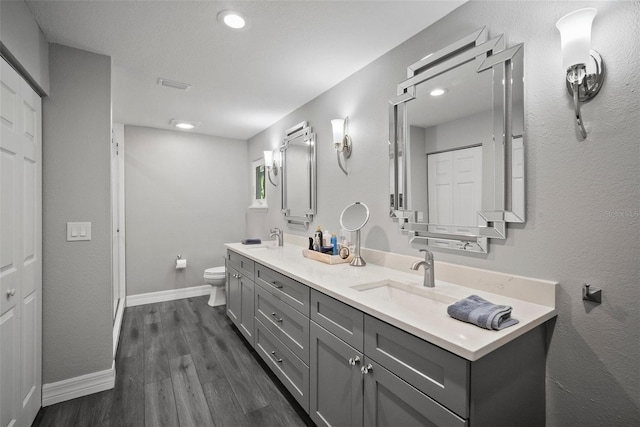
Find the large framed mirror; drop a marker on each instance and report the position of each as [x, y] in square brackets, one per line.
[456, 150]
[298, 153]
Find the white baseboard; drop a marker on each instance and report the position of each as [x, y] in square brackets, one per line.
[170, 295]
[83, 385]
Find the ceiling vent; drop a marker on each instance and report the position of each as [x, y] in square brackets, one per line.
[173, 84]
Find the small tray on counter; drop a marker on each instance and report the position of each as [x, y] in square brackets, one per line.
[325, 258]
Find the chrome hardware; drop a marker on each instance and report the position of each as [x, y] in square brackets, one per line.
[11, 293]
[237, 276]
[277, 285]
[278, 234]
[429, 280]
[353, 361]
[591, 294]
[366, 369]
[276, 317]
[273, 354]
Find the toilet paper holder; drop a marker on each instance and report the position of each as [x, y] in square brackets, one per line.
[180, 262]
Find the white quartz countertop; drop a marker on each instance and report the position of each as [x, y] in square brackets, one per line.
[424, 318]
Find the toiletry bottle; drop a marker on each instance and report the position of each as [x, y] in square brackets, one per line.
[318, 239]
[334, 243]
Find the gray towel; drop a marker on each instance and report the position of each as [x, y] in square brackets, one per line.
[481, 312]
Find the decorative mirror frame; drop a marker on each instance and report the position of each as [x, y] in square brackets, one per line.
[503, 199]
[304, 218]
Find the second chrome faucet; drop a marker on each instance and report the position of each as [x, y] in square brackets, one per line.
[278, 233]
[429, 280]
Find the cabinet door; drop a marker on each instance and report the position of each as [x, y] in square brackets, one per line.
[390, 401]
[234, 297]
[336, 387]
[246, 309]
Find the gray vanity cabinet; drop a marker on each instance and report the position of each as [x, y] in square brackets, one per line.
[240, 290]
[347, 368]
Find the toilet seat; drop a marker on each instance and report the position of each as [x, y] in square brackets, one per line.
[215, 273]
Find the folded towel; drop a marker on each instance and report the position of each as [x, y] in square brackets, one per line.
[481, 312]
[255, 241]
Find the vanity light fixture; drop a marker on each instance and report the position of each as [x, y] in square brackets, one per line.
[183, 124]
[585, 67]
[341, 140]
[270, 164]
[232, 19]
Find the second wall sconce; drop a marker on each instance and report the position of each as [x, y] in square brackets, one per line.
[270, 164]
[585, 67]
[341, 140]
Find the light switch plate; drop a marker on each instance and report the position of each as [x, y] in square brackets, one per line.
[77, 231]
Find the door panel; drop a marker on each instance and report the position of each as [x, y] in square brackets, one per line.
[21, 249]
[336, 386]
[9, 375]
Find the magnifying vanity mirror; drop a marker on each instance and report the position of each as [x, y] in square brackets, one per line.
[456, 149]
[353, 218]
[299, 175]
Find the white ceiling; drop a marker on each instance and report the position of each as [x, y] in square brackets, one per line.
[242, 81]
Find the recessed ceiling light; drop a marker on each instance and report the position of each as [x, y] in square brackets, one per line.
[183, 124]
[232, 19]
[174, 84]
[438, 92]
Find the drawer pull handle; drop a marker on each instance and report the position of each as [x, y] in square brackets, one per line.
[366, 369]
[278, 319]
[353, 361]
[11, 293]
[273, 354]
[276, 284]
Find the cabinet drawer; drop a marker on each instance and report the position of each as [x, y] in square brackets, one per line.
[340, 319]
[441, 375]
[289, 325]
[390, 401]
[292, 371]
[244, 265]
[284, 288]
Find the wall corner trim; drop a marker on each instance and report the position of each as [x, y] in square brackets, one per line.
[169, 295]
[83, 385]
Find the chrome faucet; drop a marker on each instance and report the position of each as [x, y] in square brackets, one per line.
[278, 233]
[429, 280]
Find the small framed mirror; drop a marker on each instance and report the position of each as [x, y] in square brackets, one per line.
[456, 151]
[298, 153]
[353, 218]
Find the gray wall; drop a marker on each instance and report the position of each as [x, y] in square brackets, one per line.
[24, 44]
[185, 194]
[583, 197]
[76, 288]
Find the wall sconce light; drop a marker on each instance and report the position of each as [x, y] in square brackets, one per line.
[585, 67]
[341, 140]
[270, 164]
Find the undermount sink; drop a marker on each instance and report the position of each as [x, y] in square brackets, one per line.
[263, 246]
[402, 293]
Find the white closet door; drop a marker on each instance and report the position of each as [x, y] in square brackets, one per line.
[455, 187]
[20, 250]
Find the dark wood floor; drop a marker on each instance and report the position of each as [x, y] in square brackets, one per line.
[182, 363]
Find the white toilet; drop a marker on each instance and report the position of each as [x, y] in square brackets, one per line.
[216, 277]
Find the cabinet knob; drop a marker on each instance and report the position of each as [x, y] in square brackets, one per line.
[366, 369]
[353, 361]
[11, 293]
